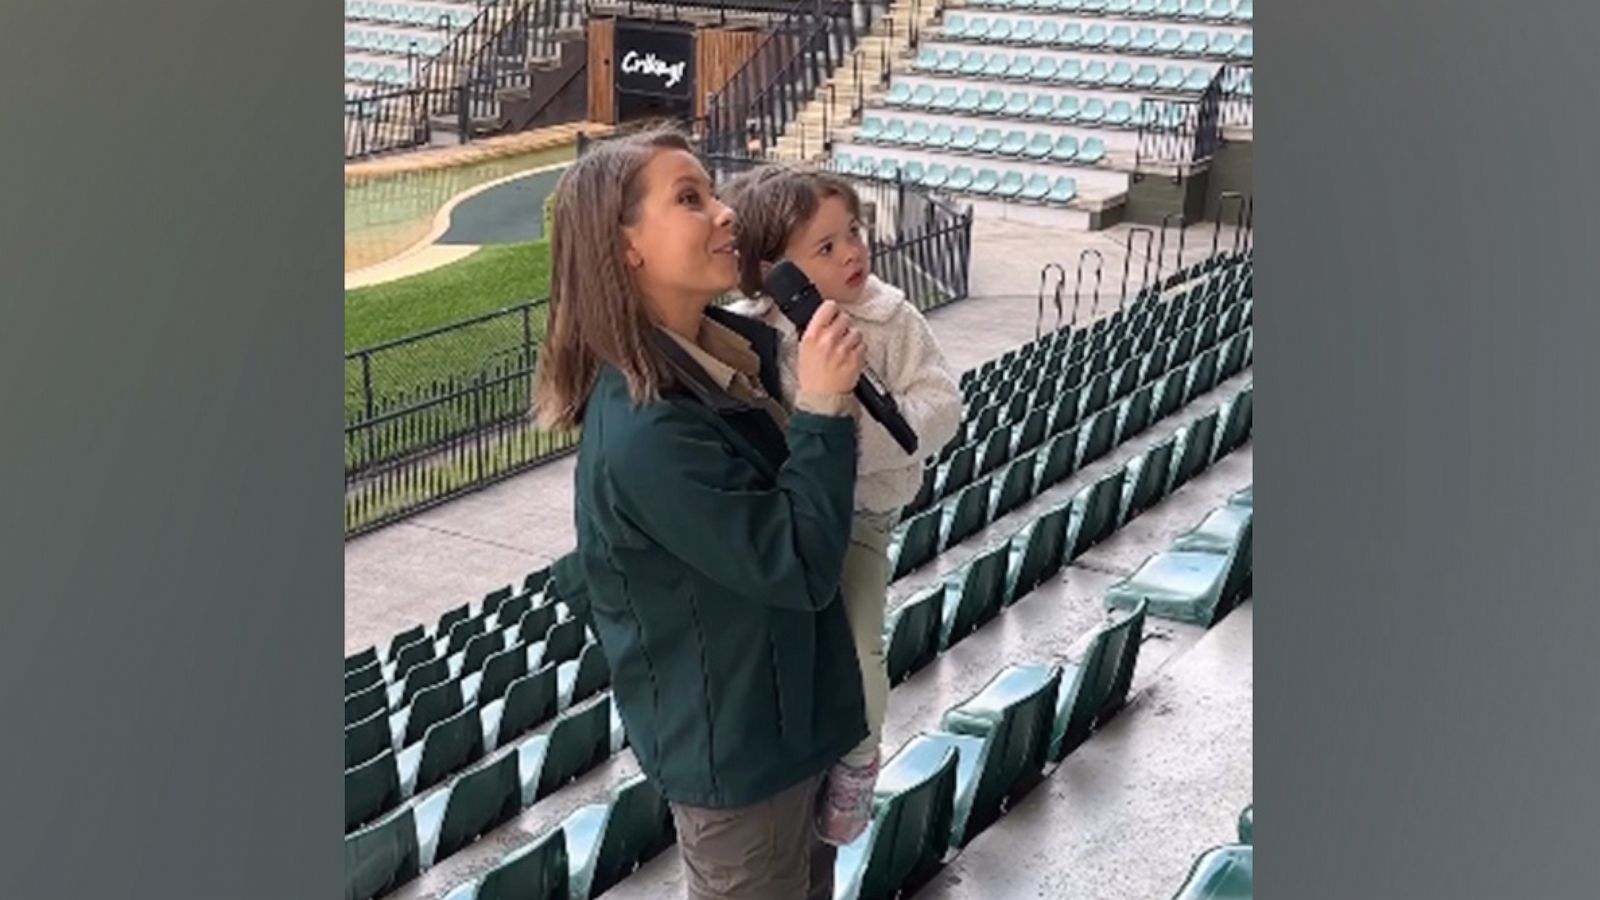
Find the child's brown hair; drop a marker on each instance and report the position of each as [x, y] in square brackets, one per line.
[770, 204]
[596, 313]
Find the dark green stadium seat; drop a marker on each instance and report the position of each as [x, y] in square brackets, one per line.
[430, 706]
[1207, 335]
[1035, 553]
[1096, 394]
[1222, 873]
[958, 472]
[996, 451]
[1017, 407]
[1097, 687]
[1232, 361]
[916, 543]
[1016, 486]
[1098, 434]
[988, 419]
[462, 632]
[967, 514]
[493, 600]
[1094, 514]
[973, 595]
[1046, 394]
[529, 702]
[412, 655]
[363, 678]
[536, 623]
[606, 842]
[1146, 481]
[1133, 414]
[362, 704]
[423, 676]
[905, 846]
[1060, 457]
[1064, 412]
[563, 641]
[1203, 374]
[1236, 422]
[1002, 736]
[1193, 452]
[1169, 392]
[499, 670]
[1124, 379]
[1034, 428]
[449, 619]
[1183, 585]
[512, 611]
[381, 857]
[448, 746]
[1247, 825]
[1183, 346]
[580, 740]
[479, 649]
[536, 580]
[370, 790]
[930, 482]
[578, 680]
[360, 660]
[481, 800]
[913, 629]
[367, 738]
[1226, 532]
[537, 871]
[409, 636]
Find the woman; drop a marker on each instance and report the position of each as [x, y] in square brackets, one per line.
[709, 547]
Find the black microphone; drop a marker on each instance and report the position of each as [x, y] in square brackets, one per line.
[797, 299]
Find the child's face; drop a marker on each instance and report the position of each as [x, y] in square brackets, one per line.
[832, 251]
[682, 246]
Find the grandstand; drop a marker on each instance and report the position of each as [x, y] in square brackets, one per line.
[1071, 609]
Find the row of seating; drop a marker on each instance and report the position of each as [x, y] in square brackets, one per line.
[1041, 105]
[533, 586]
[397, 74]
[1058, 388]
[1225, 872]
[1058, 70]
[1205, 573]
[1242, 11]
[1034, 188]
[379, 40]
[420, 834]
[1040, 145]
[442, 15]
[1047, 34]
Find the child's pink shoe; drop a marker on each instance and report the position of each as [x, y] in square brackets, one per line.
[846, 807]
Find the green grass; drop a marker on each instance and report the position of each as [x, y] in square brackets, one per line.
[492, 278]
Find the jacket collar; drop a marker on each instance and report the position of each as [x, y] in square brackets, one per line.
[703, 386]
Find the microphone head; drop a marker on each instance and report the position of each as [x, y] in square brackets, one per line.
[789, 287]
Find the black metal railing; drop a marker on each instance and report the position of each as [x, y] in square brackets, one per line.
[1238, 96]
[1180, 132]
[462, 82]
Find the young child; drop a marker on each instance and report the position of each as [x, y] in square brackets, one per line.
[813, 218]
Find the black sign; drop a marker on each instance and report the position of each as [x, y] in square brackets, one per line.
[654, 59]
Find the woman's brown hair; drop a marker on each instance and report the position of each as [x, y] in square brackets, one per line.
[596, 314]
[772, 203]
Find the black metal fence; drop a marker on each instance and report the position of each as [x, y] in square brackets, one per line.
[1238, 96]
[1179, 132]
[462, 83]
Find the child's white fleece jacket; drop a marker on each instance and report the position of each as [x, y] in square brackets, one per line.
[902, 352]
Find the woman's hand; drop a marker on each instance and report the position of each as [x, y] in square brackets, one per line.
[832, 352]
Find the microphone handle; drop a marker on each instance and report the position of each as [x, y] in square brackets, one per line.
[882, 407]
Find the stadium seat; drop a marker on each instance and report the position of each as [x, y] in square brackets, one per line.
[563, 641]
[529, 702]
[1145, 483]
[1199, 79]
[606, 842]
[1133, 415]
[1017, 104]
[1119, 38]
[894, 131]
[961, 178]
[1023, 31]
[1041, 108]
[536, 623]
[1183, 585]
[1099, 431]
[362, 704]
[1143, 9]
[366, 739]
[955, 25]
[1048, 34]
[912, 633]
[1121, 75]
[1045, 70]
[994, 102]
[1021, 68]
[1094, 514]
[997, 65]
[1035, 553]
[499, 671]
[1245, 49]
[1016, 485]
[1092, 151]
[965, 139]
[1071, 35]
[1170, 42]
[944, 101]
[360, 660]
[1066, 109]
[481, 800]
[1093, 111]
[905, 844]
[371, 789]
[1172, 78]
[977, 28]
[1247, 825]
[989, 142]
[968, 514]
[1245, 11]
[1225, 531]
[938, 174]
[1145, 77]
[1119, 114]
[1001, 737]
[1065, 149]
[430, 707]
[899, 94]
[578, 680]
[579, 740]
[1094, 37]
[971, 99]
[1095, 689]
[1222, 873]
[1196, 43]
[1222, 44]
[1094, 73]
[1194, 9]
[972, 64]
[1220, 10]
[448, 746]
[536, 871]
[913, 172]
[381, 857]
[479, 649]
[1069, 72]
[425, 675]
[975, 593]
[999, 31]
[1014, 144]
[363, 678]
